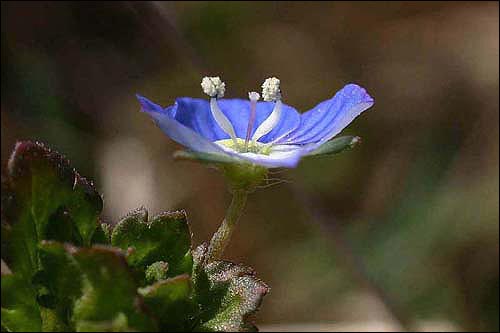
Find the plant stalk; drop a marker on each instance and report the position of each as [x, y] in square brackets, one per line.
[221, 238]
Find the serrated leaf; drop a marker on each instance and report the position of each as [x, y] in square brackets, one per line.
[43, 197]
[336, 146]
[109, 289]
[166, 237]
[227, 294]
[169, 300]
[20, 312]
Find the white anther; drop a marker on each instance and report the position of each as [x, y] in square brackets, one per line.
[271, 89]
[213, 86]
[253, 96]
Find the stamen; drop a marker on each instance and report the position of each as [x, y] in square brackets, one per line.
[215, 88]
[271, 89]
[270, 92]
[254, 97]
[270, 123]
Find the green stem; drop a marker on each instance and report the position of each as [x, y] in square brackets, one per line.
[221, 238]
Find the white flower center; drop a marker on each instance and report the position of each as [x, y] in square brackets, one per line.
[215, 88]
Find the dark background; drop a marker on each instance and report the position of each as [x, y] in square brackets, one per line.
[403, 230]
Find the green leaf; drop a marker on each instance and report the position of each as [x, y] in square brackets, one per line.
[102, 234]
[43, 197]
[227, 294]
[205, 157]
[20, 311]
[109, 292]
[156, 272]
[169, 300]
[60, 282]
[336, 146]
[118, 324]
[166, 237]
[51, 321]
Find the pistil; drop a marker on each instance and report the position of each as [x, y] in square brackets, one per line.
[254, 97]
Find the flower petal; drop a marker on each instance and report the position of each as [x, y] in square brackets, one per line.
[148, 106]
[330, 117]
[177, 131]
[195, 113]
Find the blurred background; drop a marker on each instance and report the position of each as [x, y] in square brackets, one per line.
[401, 232]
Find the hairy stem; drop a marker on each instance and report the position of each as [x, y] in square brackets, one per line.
[222, 236]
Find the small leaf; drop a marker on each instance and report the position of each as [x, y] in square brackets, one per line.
[227, 294]
[109, 289]
[166, 237]
[20, 312]
[43, 197]
[156, 272]
[336, 146]
[169, 300]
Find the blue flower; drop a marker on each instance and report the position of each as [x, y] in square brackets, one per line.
[269, 133]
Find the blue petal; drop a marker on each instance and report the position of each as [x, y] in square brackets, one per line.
[148, 106]
[289, 121]
[330, 117]
[195, 114]
[175, 130]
